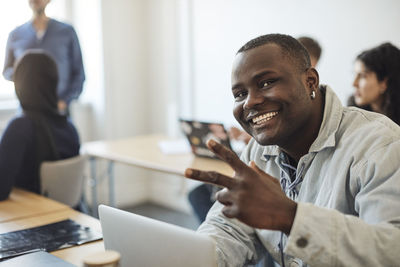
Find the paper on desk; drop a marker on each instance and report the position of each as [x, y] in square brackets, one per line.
[173, 147]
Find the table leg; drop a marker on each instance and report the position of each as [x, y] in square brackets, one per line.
[111, 184]
[93, 185]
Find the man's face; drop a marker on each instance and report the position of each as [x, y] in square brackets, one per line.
[272, 102]
[38, 6]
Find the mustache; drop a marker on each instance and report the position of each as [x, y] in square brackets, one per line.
[252, 112]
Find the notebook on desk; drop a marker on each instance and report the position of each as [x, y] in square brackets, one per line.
[199, 132]
[47, 237]
[142, 241]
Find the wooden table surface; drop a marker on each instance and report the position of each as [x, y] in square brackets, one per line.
[24, 204]
[38, 211]
[143, 151]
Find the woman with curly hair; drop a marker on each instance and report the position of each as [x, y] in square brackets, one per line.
[377, 81]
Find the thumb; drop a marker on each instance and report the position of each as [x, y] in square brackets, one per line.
[255, 167]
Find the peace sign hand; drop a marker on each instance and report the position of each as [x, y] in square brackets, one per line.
[251, 195]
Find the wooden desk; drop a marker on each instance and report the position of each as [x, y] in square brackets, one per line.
[74, 254]
[23, 204]
[143, 151]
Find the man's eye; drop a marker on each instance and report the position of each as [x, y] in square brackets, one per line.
[240, 95]
[266, 83]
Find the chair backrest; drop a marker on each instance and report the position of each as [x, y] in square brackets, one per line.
[63, 180]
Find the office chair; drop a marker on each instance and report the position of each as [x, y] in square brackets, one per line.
[63, 180]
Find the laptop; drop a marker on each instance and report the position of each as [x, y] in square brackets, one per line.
[199, 132]
[142, 241]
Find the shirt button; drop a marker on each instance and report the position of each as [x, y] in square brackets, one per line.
[302, 242]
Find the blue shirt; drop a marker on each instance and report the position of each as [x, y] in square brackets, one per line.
[61, 42]
[18, 152]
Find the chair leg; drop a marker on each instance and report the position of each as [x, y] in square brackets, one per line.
[83, 206]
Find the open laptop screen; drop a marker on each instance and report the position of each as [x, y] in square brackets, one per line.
[198, 133]
[143, 241]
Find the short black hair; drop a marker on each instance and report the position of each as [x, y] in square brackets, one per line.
[289, 45]
[312, 46]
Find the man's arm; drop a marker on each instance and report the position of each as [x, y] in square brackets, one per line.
[237, 244]
[326, 237]
[241, 208]
[8, 69]
[77, 77]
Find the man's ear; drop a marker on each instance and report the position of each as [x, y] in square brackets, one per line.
[312, 79]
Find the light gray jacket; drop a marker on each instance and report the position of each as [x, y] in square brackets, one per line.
[348, 210]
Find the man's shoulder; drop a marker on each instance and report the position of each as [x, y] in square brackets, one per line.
[21, 29]
[366, 133]
[360, 120]
[59, 25]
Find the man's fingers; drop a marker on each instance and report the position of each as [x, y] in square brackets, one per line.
[210, 177]
[226, 155]
[230, 211]
[224, 197]
[255, 167]
[261, 172]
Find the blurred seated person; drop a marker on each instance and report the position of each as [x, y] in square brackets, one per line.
[201, 198]
[314, 50]
[40, 133]
[377, 81]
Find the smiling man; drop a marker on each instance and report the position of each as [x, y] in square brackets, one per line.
[318, 185]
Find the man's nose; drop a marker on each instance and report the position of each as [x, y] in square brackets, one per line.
[253, 98]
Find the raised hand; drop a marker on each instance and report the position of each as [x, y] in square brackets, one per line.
[251, 195]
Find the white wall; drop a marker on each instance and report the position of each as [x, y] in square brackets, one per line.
[344, 29]
[88, 114]
[141, 84]
[125, 88]
[125, 67]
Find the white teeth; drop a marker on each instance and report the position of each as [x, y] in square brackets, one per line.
[265, 117]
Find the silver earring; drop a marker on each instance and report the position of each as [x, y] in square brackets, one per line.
[312, 95]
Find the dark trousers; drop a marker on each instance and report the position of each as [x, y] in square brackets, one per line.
[202, 198]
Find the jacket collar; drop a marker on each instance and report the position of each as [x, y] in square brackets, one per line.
[333, 110]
